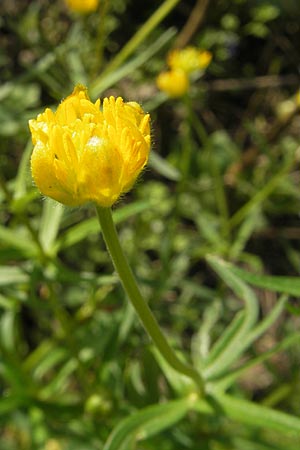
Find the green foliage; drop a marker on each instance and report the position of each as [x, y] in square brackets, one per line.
[211, 231]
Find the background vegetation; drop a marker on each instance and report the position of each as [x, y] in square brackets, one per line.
[222, 184]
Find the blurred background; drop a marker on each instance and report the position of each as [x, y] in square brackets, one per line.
[223, 178]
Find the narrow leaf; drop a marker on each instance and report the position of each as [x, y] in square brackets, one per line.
[256, 415]
[163, 167]
[229, 379]
[147, 422]
[287, 285]
[239, 342]
[22, 243]
[49, 225]
[91, 226]
[104, 81]
[12, 275]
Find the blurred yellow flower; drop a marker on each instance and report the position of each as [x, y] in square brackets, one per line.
[298, 98]
[82, 153]
[82, 6]
[53, 444]
[189, 59]
[174, 83]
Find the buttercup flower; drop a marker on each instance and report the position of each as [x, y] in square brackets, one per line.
[189, 59]
[82, 153]
[174, 83]
[82, 6]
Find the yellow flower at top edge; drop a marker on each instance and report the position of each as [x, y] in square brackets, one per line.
[82, 6]
[189, 59]
[83, 154]
[174, 83]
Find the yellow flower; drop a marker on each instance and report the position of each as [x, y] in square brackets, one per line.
[298, 98]
[189, 59]
[83, 154]
[82, 6]
[174, 83]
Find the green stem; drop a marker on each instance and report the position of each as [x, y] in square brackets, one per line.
[142, 309]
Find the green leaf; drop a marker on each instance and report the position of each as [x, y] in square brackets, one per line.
[59, 382]
[257, 29]
[248, 413]
[201, 341]
[254, 334]
[244, 233]
[12, 275]
[148, 422]
[12, 373]
[77, 233]
[20, 187]
[49, 362]
[226, 337]
[20, 203]
[235, 347]
[265, 12]
[8, 331]
[91, 226]
[8, 404]
[269, 320]
[255, 444]
[208, 225]
[229, 379]
[36, 357]
[181, 384]
[163, 167]
[287, 285]
[258, 199]
[129, 318]
[8, 302]
[16, 239]
[105, 81]
[49, 224]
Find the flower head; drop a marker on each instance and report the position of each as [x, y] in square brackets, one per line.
[182, 63]
[189, 59]
[82, 6]
[174, 83]
[82, 153]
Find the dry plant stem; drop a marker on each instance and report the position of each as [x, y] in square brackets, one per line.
[101, 34]
[192, 24]
[262, 82]
[141, 307]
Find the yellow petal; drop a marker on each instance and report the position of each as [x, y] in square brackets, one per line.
[189, 59]
[174, 83]
[83, 154]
